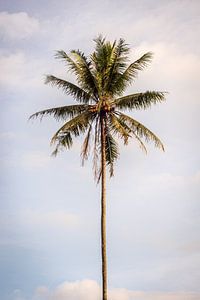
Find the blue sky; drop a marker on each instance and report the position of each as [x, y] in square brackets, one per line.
[50, 209]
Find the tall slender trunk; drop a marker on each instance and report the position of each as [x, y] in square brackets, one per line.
[103, 211]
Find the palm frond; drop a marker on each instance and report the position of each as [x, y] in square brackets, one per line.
[96, 150]
[86, 146]
[69, 88]
[75, 126]
[139, 100]
[131, 71]
[101, 61]
[85, 77]
[119, 127]
[99, 41]
[138, 65]
[81, 67]
[112, 151]
[73, 67]
[63, 141]
[62, 112]
[141, 130]
[117, 64]
[141, 144]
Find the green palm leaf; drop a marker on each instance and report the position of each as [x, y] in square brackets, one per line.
[85, 77]
[120, 127]
[112, 152]
[63, 141]
[75, 126]
[69, 88]
[131, 71]
[141, 144]
[117, 64]
[81, 68]
[73, 67]
[102, 61]
[141, 131]
[139, 100]
[86, 145]
[96, 150]
[62, 112]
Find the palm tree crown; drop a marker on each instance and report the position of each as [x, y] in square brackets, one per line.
[102, 78]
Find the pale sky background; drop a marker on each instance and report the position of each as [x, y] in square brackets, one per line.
[50, 208]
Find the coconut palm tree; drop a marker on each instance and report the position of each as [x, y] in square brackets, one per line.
[101, 81]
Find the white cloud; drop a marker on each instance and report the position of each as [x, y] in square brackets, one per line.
[83, 290]
[12, 68]
[17, 25]
[89, 290]
[171, 69]
[20, 71]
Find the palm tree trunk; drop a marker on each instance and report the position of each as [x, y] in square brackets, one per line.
[103, 211]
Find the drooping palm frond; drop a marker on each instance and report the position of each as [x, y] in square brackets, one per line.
[69, 88]
[96, 149]
[86, 145]
[75, 126]
[62, 112]
[63, 141]
[112, 151]
[141, 130]
[139, 100]
[119, 127]
[141, 144]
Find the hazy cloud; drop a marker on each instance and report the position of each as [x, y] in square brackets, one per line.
[17, 25]
[89, 290]
[20, 71]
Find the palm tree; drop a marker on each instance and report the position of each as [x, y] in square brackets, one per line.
[102, 78]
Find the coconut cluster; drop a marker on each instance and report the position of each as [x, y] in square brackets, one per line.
[105, 107]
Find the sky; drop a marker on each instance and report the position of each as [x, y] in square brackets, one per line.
[50, 207]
